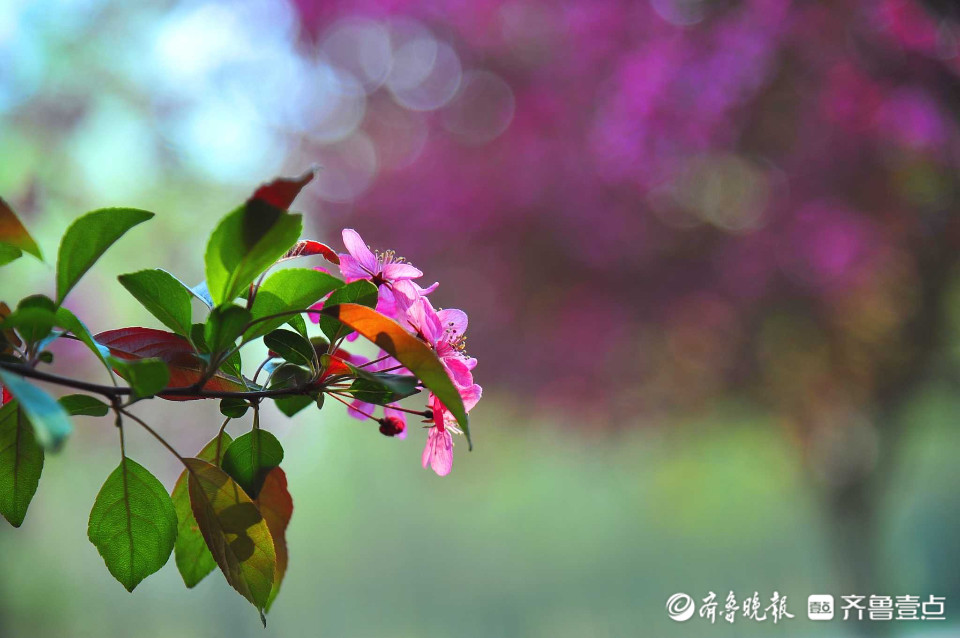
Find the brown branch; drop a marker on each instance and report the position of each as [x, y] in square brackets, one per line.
[113, 392]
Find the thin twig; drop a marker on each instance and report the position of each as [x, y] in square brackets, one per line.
[112, 392]
[149, 429]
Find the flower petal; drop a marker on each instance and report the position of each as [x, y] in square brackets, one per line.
[387, 304]
[425, 321]
[359, 409]
[438, 452]
[351, 269]
[397, 271]
[426, 291]
[457, 369]
[356, 247]
[454, 322]
[315, 318]
[471, 396]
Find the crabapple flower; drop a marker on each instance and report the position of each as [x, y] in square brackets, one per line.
[401, 298]
[438, 452]
[445, 332]
[390, 274]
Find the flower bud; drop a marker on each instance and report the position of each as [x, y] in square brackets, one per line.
[391, 426]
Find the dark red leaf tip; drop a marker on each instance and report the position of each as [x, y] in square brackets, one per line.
[308, 248]
[281, 192]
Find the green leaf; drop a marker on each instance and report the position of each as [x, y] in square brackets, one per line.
[276, 506]
[244, 244]
[197, 338]
[288, 375]
[50, 421]
[33, 319]
[146, 377]
[382, 388]
[9, 253]
[84, 405]
[224, 325]
[21, 463]
[290, 346]
[293, 404]
[360, 292]
[234, 530]
[13, 233]
[233, 407]
[297, 323]
[415, 355]
[233, 365]
[133, 523]
[291, 289]
[69, 322]
[194, 560]
[250, 457]
[163, 295]
[88, 238]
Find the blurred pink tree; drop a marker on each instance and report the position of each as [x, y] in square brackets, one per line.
[696, 199]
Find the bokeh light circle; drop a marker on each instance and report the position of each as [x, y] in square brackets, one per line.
[482, 109]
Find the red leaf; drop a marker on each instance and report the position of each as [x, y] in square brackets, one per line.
[10, 335]
[307, 248]
[281, 192]
[172, 349]
[12, 231]
[337, 365]
[276, 507]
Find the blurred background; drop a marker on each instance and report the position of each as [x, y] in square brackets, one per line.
[709, 253]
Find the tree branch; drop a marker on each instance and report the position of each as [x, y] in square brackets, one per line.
[114, 392]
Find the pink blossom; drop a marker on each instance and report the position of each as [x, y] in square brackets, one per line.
[438, 452]
[444, 331]
[389, 274]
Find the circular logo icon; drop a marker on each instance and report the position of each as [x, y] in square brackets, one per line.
[680, 607]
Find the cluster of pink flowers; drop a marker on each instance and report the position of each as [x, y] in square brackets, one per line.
[405, 301]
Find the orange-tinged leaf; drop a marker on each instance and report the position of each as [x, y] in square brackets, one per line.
[12, 232]
[185, 367]
[235, 532]
[193, 559]
[276, 506]
[413, 353]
